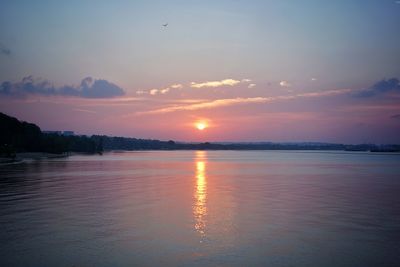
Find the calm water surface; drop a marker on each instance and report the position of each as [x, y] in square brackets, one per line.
[198, 208]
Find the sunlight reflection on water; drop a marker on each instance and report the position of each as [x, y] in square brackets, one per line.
[200, 194]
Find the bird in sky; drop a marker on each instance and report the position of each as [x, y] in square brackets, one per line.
[165, 25]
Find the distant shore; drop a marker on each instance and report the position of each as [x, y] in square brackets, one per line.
[23, 136]
[20, 157]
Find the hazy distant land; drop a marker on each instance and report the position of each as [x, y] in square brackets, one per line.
[18, 137]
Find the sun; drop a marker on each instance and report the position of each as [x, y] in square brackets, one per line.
[201, 125]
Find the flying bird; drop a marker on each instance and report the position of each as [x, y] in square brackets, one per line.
[165, 25]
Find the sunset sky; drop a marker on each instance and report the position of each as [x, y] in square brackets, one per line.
[249, 70]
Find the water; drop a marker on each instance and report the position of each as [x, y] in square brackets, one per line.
[198, 208]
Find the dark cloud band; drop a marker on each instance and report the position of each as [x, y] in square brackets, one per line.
[4, 50]
[379, 88]
[88, 88]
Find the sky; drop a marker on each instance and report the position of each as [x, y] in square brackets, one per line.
[281, 71]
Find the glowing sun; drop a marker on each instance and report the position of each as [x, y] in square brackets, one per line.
[201, 125]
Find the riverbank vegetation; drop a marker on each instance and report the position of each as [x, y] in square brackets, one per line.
[19, 136]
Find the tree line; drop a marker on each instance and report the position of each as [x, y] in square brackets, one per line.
[20, 136]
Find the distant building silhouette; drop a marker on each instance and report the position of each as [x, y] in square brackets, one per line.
[53, 132]
[68, 133]
[64, 133]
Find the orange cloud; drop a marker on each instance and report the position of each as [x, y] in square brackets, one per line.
[285, 84]
[208, 84]
[153, 91]
[177, 86]
[236, 101]
[228, 82]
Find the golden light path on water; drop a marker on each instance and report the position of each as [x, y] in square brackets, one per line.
[200, 194]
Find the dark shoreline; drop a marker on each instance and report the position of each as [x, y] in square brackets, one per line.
[22, 140]
[20, 157]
